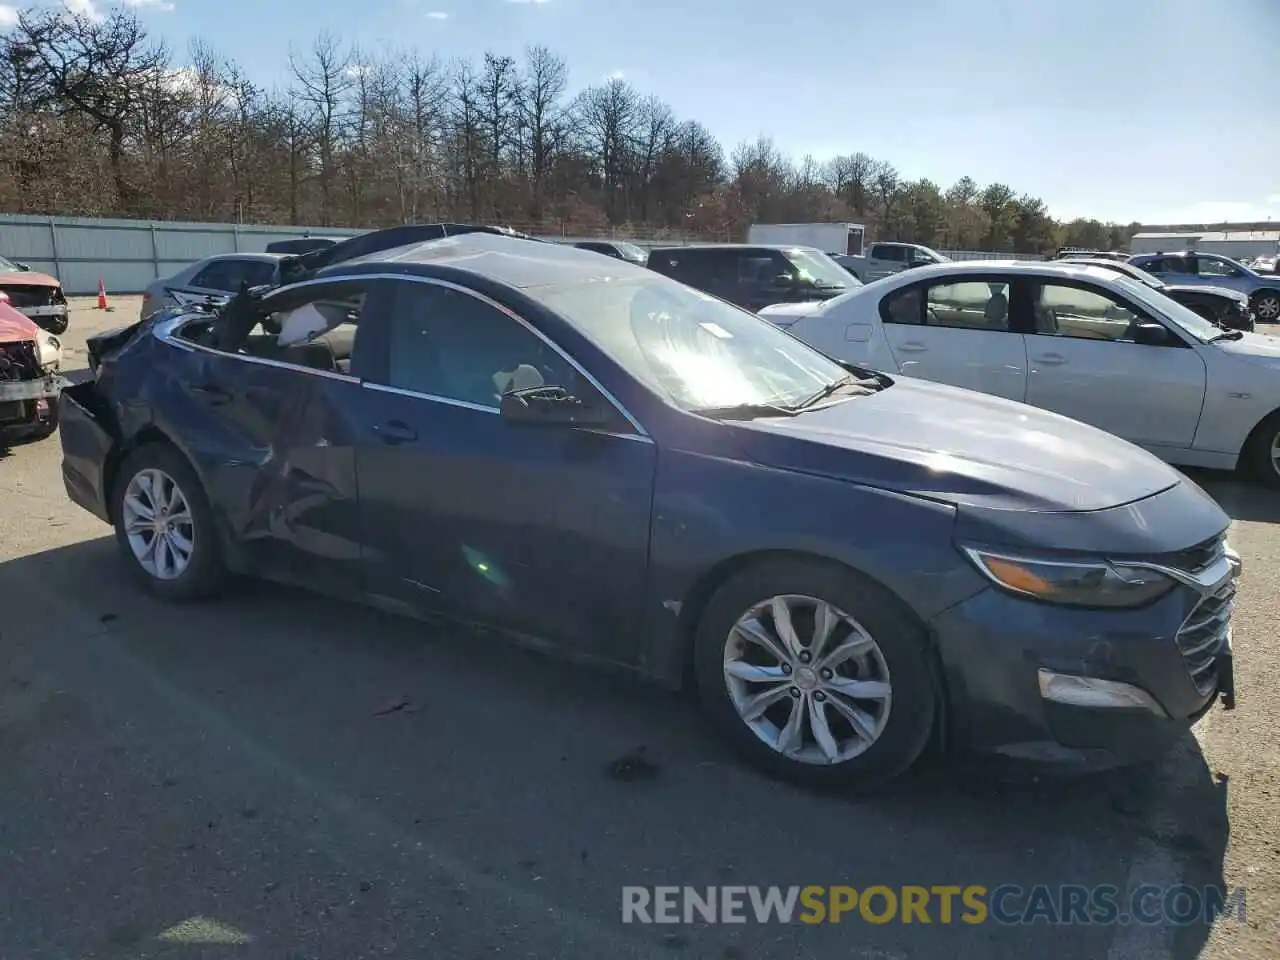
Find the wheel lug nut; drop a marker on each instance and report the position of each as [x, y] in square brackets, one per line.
[820, 696]
[827, 674]
[805, 656]
[795, 692]
[786, 668]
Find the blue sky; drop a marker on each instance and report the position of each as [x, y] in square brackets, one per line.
[1154, 110]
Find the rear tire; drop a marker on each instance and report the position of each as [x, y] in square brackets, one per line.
[855, 713]
[165, 527]
[1262, 451]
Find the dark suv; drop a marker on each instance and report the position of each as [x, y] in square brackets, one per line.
[754, 277]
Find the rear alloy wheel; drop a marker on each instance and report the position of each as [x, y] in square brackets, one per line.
[816, 673]
[164, 526]
[1266, 305]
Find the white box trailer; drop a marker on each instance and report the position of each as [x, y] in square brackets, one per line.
[836, 238]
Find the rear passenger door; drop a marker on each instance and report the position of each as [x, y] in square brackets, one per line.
[271, 428]
[957, 331]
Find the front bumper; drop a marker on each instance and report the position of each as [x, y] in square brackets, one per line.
[38, 313]
[46, 388]
[996, 649]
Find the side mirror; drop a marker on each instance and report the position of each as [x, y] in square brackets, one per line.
[784, 281]
[1151, 334]
[23, 267]
[552, 406]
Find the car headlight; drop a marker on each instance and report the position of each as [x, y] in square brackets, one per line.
[50, 350]
[1077, 583]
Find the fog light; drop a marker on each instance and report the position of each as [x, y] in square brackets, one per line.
[1094, 693]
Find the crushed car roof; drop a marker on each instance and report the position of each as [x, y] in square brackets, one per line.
[513, 261]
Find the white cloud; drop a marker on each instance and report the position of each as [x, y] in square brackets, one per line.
[616, 75]
[83, 8]
[1274, 198]
[437, 15]
[159, 6]
[8, 16]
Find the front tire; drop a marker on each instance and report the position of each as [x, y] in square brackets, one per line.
[164, 525]
[1262, 451]
[817, 674]
[1266, 306]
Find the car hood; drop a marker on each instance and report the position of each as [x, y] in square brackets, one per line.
[15, 326]
[962, 447]
[27, 278]
[1216, 291]
[1256, 348]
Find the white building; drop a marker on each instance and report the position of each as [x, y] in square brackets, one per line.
[1235, 244]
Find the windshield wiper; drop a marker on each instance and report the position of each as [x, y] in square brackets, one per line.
[1227, 335]
[745, 411]
[864, 387]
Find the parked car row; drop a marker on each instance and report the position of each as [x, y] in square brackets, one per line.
[850, 564]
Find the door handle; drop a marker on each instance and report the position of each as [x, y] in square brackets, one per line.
[1051, 359]
[912, 346]
[395, 431]
[216, 396]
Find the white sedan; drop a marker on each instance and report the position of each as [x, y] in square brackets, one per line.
[1082, 341]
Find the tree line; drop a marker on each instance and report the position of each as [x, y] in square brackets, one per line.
[100, 119]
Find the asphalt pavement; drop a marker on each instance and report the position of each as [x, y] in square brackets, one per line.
[279, 775]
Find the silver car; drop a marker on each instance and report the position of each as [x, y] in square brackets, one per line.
[218, 276]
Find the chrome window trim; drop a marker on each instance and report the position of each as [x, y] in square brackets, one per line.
[489, 301]
[483, 408]
[166, 332]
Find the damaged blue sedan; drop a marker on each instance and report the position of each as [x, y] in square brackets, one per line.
[848, 566]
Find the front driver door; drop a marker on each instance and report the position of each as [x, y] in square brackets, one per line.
[1085, 364]
[957, 332]
[542, 529]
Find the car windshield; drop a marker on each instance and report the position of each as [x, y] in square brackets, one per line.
[817, 267]
[698, 351]
[1165, 306]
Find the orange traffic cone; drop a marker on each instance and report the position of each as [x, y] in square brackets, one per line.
[102, 295]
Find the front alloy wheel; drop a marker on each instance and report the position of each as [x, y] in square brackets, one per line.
[1267, 307]
[158, 524]
[816, 673]
[807, 679]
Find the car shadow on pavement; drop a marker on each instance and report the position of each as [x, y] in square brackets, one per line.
[1240, 497]
[575, 780]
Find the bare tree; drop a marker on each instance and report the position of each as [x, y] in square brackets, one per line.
[325, 77]
[97, 68]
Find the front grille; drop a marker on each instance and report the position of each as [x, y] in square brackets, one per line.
[32, 296]
[1194, 559]
[19, 361]
[1204, 634]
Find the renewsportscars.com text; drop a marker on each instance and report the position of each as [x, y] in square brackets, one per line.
[971, 904]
